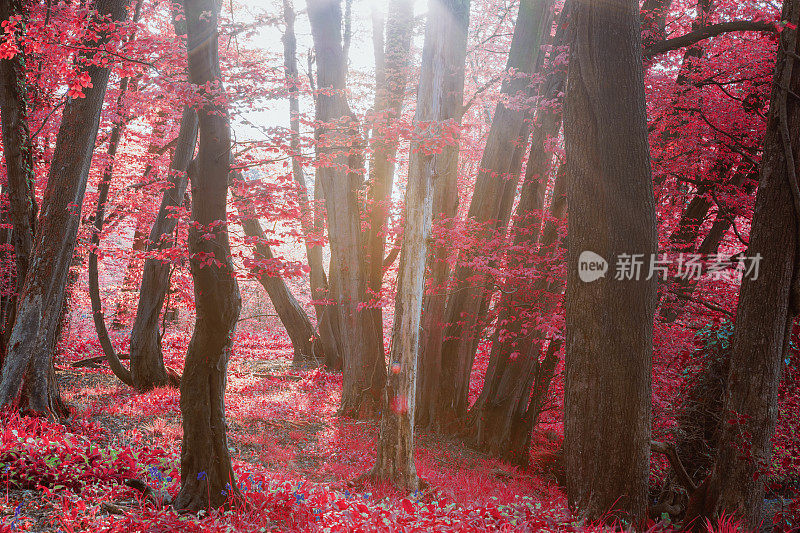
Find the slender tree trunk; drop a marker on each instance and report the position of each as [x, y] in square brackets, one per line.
[768, 303]
[609, 322]
[33, 336]
[317, 278]
[490, 210]
[99, 218]
[307, 348]
[364, 369]
[18, 152]
[207, 477]
[392, 59]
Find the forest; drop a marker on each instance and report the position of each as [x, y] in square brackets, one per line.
[399, 265]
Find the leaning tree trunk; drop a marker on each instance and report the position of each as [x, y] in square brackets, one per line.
[768, 302]
[517, 380]
[445, 35]
[207, 477]
[609, 322]
[489, 210]
[18, 152]
[364, 368]
[147, 359]
[307, 348]
[33, 336]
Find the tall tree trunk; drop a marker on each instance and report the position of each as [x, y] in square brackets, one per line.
[18, 153]
[609, 322]
[99, 218]
[33, 336]
[490, 210]
[147, 359]
[392, 58]
[207, 477]
[447, 109]
[364, 368]
[768, 303]
[317, 278]
[445, 41]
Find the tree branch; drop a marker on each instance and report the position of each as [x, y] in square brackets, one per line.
[707, 32]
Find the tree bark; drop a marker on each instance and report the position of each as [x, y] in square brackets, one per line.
[147, 359]
[490, 210]
[392, 58]
[33, 336]
[609, 322]
[317, 278]
[451, 38]
[364, 368]
[207, 477]
[767, 304]
[18, 152]
[308, 351]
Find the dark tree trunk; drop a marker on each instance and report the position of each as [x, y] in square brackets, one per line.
[18, 152]
[207, 477]
[518, 376]
[767, 304]
[507, 409]
[147, 359]
[99, 218]
[609, 322]
[490, 210]
[364, 368]
[33, 336]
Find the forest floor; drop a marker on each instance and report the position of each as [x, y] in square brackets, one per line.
[294, 458]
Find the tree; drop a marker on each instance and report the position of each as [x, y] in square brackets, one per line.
[207, 476]
[33, 335]
[609, 322]
[489, 211]
[445, 36]
[338, 140]
[448, 71]
[147, 359]
[392, 58]
[768, 303]
[307, 349]
[18, 152]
